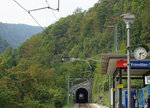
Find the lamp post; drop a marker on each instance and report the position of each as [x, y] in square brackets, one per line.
[128, 19]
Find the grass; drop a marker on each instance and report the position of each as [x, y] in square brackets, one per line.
[70, 106]
[106, 98]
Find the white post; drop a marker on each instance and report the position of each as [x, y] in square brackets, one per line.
[128, 64]
[68, 91]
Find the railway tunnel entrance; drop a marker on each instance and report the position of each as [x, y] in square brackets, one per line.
[81, 95]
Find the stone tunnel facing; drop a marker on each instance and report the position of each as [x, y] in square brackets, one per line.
[81, 95]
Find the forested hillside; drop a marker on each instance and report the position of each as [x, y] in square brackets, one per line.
[16, 34]
[3, 45]
[33, 76]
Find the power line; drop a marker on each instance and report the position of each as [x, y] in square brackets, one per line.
[21, 6]
[52, 10]
[29, 14]
[48, 7]
[37, 9]
[57, 9]
[54, 14]
[37, 22]
[58, 5]
[42, 8]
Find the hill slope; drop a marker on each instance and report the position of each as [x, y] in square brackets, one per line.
[3, 45]
[16, 34]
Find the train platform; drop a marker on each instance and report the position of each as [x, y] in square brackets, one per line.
[88, 105]
[99, 106]
[103, 106]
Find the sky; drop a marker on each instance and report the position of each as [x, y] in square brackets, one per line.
[10, 12]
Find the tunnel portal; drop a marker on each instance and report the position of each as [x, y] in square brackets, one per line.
[81, 95]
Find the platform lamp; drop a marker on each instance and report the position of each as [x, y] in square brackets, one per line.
[128, 19]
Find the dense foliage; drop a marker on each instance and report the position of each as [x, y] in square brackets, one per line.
[16, 34]
[33, 76]
[3, 45]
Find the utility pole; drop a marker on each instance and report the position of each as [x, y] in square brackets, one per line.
[103, 89]
[115, 35]
[71, 87]
[98, 92]
[115, 40]
[68, 91]
[109, 91]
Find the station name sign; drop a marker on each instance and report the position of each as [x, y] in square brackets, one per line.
[134, 64]
[147, 79]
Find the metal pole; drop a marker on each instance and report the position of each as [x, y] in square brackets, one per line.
[123, 33]
[114, 92]
[128, 64]
[109, 91]
[120, 89]
[128, 19]
[98, 92]
[68, 91]
[115, 38]
[103, 89]
[143, 81]
[71, 90]
[91, 91]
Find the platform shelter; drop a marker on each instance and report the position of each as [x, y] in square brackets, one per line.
[115, 65]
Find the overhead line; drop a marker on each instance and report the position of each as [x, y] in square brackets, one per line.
[53, 9]
[42, 8]
[58, 5]
[28, 11]
[30, 15]
[21, 6]
[54, 14]
[37, 9]
[37, 22]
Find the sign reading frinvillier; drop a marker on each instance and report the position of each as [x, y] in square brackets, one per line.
[134, 64]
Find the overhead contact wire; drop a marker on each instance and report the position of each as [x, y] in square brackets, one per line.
[30, 15]
[58, 4]
[28, 11]
[54, 14]
[37, 22]
[21, 6]
[52, 10]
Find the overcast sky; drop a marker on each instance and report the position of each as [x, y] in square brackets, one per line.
[10, 12]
